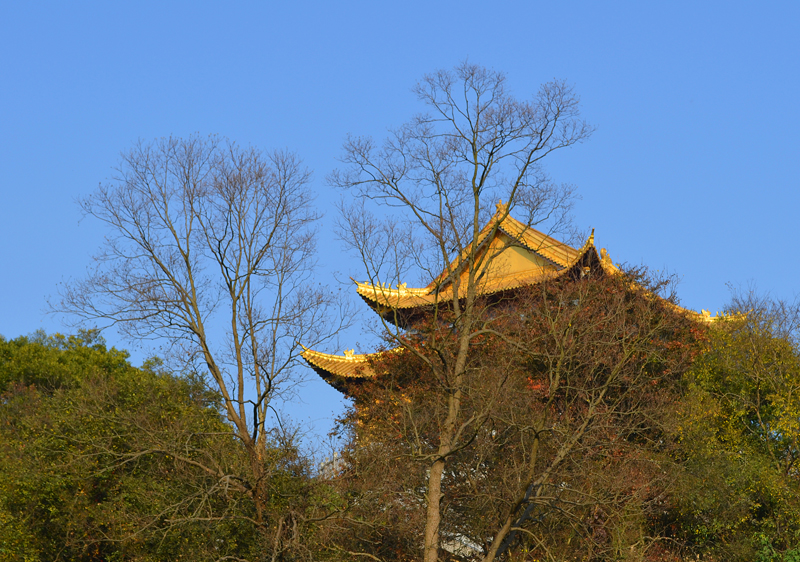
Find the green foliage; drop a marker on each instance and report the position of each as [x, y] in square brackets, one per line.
[738, 496]
[103, 461]
[765, 552]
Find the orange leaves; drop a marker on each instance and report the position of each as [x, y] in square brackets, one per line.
[538, 387]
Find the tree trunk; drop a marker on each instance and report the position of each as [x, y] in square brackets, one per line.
[433, 515]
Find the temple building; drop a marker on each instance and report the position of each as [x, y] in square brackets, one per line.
[517, 255]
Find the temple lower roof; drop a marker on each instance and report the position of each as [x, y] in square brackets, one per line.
[350, 365]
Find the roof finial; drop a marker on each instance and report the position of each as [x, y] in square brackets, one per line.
[500, 207]
[591, 239]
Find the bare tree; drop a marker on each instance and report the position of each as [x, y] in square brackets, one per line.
[211, 246]
[442, 173]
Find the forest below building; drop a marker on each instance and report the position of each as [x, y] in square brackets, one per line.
[535, 402]
[100, 460]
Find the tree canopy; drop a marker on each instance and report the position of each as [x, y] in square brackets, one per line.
[739, 435]
[566, 398]
[103, 461]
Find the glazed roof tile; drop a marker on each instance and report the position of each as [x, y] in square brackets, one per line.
[535, 241]
[538, 242]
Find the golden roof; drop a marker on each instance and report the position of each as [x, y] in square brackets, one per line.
[520, 256]
[542, 258]
[348, 366]
[337, 369]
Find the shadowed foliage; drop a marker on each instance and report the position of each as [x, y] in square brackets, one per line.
[565, 402]
[103, 461]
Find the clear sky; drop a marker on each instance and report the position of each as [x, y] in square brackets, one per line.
[693, 168]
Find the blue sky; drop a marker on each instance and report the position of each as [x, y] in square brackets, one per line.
[693, 167]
